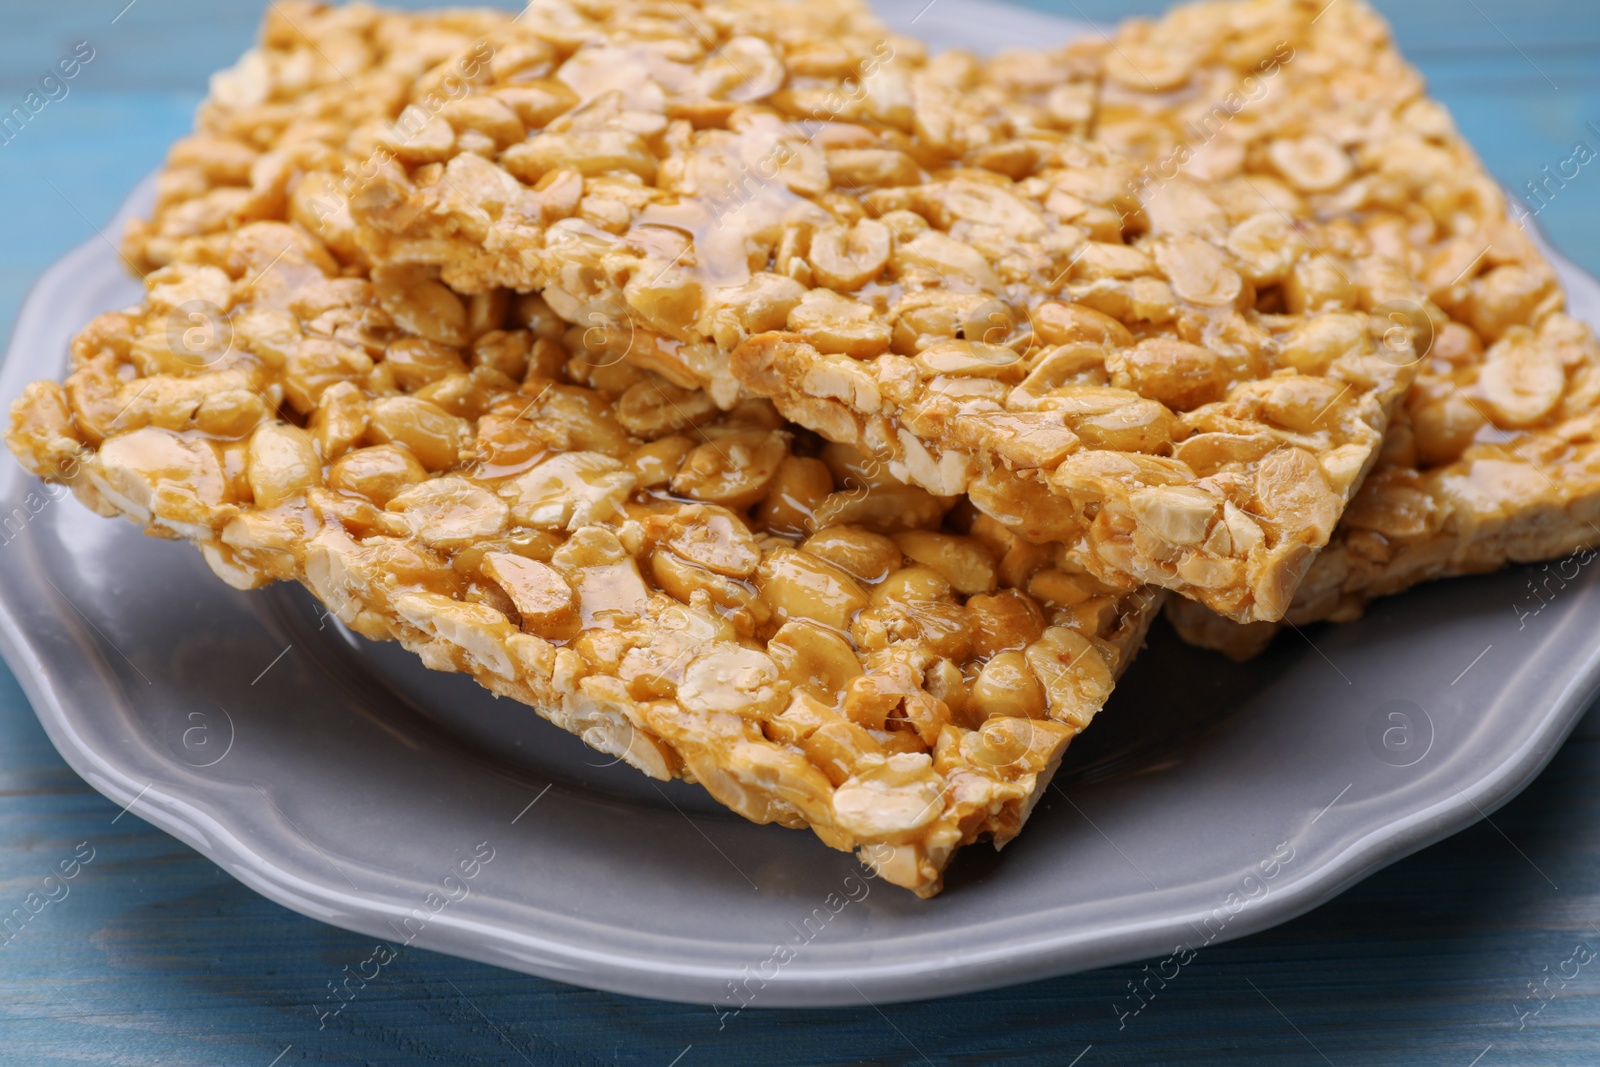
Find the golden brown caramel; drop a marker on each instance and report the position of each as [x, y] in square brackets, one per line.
[705, 594]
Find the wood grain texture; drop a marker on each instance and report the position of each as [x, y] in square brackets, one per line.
[156, 957]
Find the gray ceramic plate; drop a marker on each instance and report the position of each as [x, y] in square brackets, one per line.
[343, 780]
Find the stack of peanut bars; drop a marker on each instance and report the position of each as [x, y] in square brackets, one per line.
[781, 407]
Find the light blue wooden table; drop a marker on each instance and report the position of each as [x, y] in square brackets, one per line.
[156, 957]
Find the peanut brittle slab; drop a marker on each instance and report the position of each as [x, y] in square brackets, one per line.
[1494, 457]
[909, 257]
[704, 594]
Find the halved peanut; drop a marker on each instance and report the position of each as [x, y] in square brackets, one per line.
[1312, 164]
[1207, 453]
[938, 255]
[715, 539]
[507, 351]
[1009, 746]
[421, 304]
[1008, 620]
[1292, 491]
[733, 680]
[1055, 589]
[935, 627]
[800, 485]
[961, 561]
[1007, 686]
[282, 463]
[339, 420]
[926, 316]
[1178, 374]
[1507, 297]
[606, 579]
[945, 682]
[569, 490]
[1315, 284]
[1304, 404]
[798, 585]
[835, 323]
[1315, 344]
[1444, 427]
[1522, 379]
[973, 359]
[590, 152]
[1075, 676]
[733, 470]
[1064, 324]
[889, 799]
[1134, 425]
[853, 470]
[450, 512]
[542, 597]
[868, 556]
[487, 115]
[316, 365]
[1266, 246]
[838, 746]
[744, 69]
[886, 508]
[846, 259]
[539, 101]
[1197, 271]
[1179, 514]
[865, 167]
[377, 472]
[760, 305]
[653, 407]
[656, 463]
[417, 361]
[909, 584]
[815, 660]
[691, 583]
[433, 435]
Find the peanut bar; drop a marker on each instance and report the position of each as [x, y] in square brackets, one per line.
[1494, 457]
[910, 257]
[705, 594]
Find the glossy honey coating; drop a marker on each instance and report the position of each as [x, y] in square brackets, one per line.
[948, 266]
[1493, 457]
[920, 257]
[713, 595]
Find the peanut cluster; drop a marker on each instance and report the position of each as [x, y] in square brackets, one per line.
[1493, 456]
